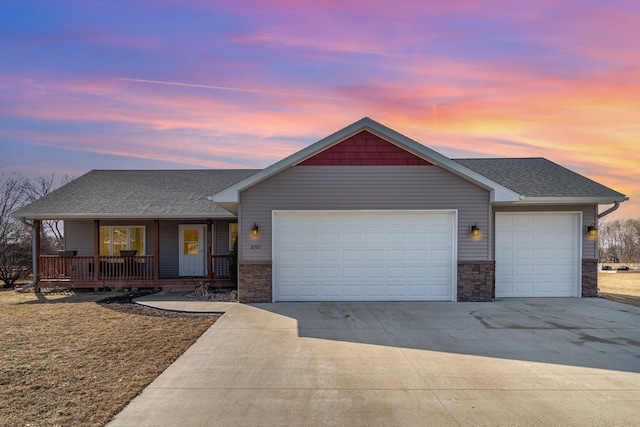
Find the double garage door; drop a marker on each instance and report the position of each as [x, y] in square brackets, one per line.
[538, 254]
[364, 256]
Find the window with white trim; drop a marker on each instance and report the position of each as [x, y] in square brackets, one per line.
[116, 238]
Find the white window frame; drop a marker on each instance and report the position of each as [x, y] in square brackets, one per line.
[128, 227]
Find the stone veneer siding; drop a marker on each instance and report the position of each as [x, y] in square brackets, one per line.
[254, 281]
[589, 277]
[476, 281]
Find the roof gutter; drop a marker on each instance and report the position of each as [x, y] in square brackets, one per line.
[34, 256]
[615, 206]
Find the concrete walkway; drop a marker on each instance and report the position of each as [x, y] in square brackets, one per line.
[176, 301]
[519, 362]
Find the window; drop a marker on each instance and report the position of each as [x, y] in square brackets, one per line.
[233, 234]
[114, 239]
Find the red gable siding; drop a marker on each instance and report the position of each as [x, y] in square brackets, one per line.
[364, 149]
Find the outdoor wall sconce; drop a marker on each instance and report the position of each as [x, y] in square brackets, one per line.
[475, 230]
[592, 230]
[255, 230]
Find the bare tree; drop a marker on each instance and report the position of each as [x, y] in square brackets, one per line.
[619, 241]
[15, 241]
[15, 236]
[39, 187]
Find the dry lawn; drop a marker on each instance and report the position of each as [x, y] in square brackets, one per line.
[621, 287]
[68, 360]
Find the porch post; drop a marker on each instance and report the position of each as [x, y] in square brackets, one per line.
[209, 250]
[156, 249]
[36, 253]
[96, 249]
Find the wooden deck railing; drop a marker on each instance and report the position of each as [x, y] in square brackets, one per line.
[53, 267]
[219, 266]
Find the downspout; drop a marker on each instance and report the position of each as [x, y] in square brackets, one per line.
[34, 256]
[615, 206]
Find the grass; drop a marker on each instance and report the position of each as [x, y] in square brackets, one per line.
[621, 287]
[74, 360]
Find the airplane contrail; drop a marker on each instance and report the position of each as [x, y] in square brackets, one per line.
[234, 89]
[604, 9]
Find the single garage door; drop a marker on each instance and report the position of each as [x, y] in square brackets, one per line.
[537, 254]
[364, 256]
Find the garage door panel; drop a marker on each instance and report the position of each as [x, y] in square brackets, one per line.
[440, 256]
[416, 272]
[329, 257]
[524, 240]
[307, 255]
[537, 254]
[353, 255]
[524, 269]
[308, 272]
[524, 287]
[328, 272]
[330, 239]
[546, 238]
[565, 270]
[440, 239]
[374, 291]
[373, 256]
[545, 256]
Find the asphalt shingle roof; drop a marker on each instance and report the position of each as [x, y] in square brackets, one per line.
[538, 177]
[175, 193]
[103, 193]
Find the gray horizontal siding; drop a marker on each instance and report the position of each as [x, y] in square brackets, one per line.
[364, 188]
[78, 236]
[221, 236]
[169, 241]
[589, 216]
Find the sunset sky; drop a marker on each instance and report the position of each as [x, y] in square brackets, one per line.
[241, 84]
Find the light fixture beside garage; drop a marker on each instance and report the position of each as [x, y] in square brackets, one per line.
[592, 231]
[475, 230]
[255, 231]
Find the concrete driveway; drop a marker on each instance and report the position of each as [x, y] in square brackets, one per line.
[510, 362]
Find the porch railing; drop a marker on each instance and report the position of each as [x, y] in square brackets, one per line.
[220, 266]
[53, 267]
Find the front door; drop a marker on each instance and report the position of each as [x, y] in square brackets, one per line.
[192, 252]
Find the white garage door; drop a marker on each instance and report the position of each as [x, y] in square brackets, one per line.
[364, 256]
[537, 254]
